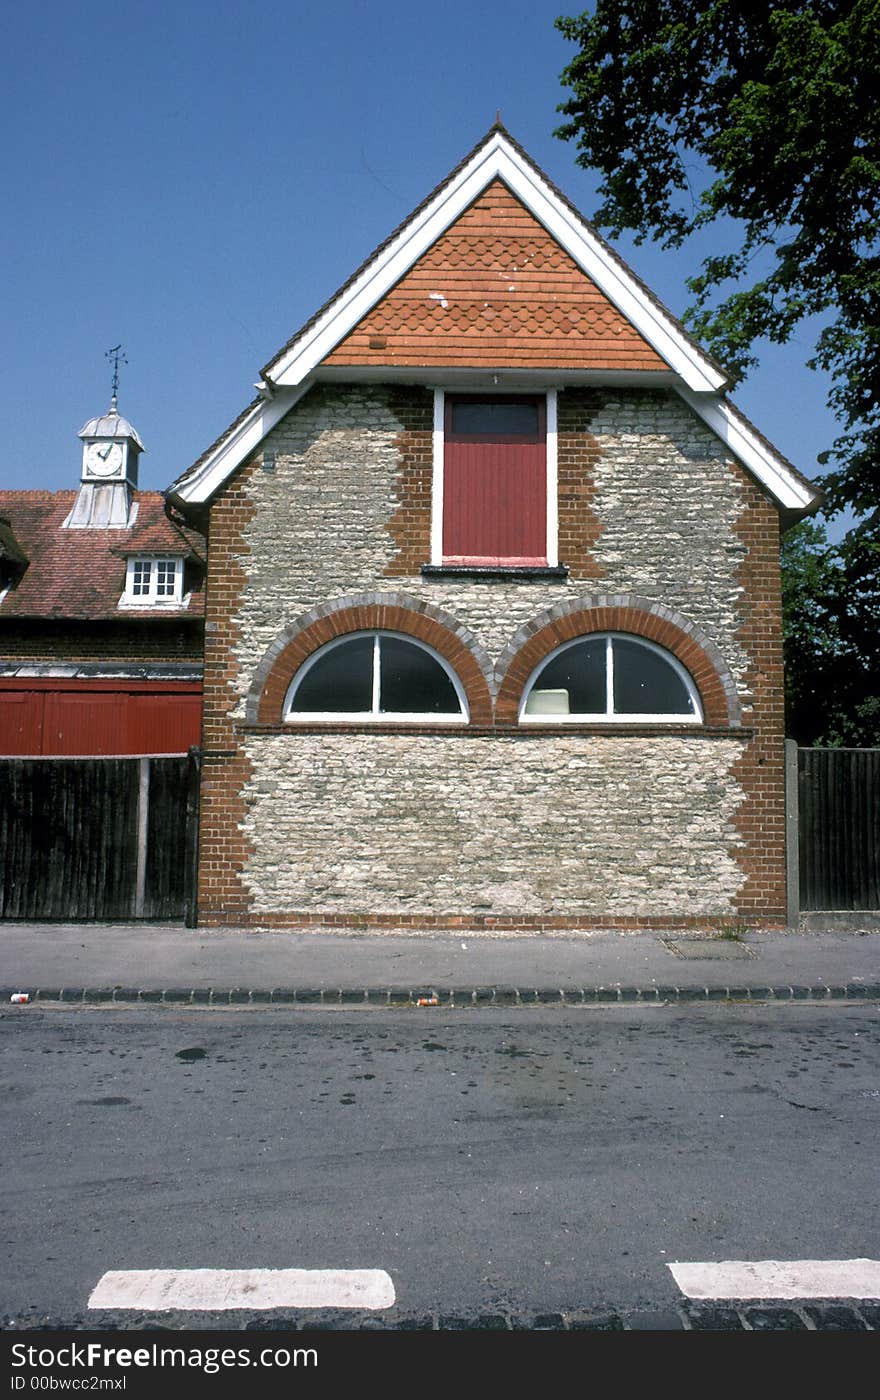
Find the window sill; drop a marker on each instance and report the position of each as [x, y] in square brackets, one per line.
[503, 731]
[127, 604]
[496, 571]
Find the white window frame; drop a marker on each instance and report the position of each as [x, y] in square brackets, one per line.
[609, 716]
[374, 715]
[152, 599]
[552, 455]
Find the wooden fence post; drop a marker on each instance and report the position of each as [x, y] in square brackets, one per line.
[792, 846]
[143, 817]
[191, 886]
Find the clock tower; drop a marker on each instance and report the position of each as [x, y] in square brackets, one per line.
[110, 453]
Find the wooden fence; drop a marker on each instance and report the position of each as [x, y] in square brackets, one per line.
[838, 826]
[98, 838]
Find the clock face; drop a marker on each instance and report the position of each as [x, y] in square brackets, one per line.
[104, 458]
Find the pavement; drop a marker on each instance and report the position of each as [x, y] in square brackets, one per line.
[96, 963]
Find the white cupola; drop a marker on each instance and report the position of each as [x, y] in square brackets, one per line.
[110, 454]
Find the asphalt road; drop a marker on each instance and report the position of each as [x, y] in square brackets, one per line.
[517, 1163]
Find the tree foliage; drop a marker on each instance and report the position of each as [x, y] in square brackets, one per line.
[832, 646]
[762, 122]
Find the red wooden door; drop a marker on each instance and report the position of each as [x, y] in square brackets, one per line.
[495, 481]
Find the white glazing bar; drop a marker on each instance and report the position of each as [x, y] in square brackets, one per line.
[609, 677]
[376, 674]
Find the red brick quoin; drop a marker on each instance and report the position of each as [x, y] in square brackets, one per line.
[367, 618]
[637, 622]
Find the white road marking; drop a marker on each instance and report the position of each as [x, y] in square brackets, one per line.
[216, 1290]
[778, 1278]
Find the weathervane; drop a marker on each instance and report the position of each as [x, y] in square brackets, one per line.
[117, 355]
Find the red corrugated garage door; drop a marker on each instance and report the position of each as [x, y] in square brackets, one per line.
[94, 719]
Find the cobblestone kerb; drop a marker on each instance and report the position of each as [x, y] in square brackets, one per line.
[817, 1315]
[452, 998]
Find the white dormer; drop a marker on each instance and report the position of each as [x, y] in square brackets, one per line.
[153, 581]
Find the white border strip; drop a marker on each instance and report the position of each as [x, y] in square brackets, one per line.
[197, 485]
[220, 1290]
[552, 452]
[437, 440]
[775, 1278]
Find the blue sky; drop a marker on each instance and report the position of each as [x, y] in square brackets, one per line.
[194, 179]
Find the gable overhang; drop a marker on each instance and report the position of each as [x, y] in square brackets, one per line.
[793, 493]
[497, 158]
[500, 377]
[196, 486]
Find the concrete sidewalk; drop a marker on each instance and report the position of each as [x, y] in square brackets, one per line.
[150, 962]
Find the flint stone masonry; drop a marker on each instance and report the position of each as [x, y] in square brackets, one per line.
[667, 501]
[665, 496]
[408, 824]
[318, 529]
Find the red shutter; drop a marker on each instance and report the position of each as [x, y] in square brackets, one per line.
[495, 495]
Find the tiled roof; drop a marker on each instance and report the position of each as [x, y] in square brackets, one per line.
[80, 574]
[160, 536]
[496, 289]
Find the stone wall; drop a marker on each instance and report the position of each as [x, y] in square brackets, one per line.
[555, 827]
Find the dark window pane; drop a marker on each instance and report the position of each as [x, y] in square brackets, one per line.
[473, 418]
[340, 681]
[646, 684]
[411, 682]
[579, 670]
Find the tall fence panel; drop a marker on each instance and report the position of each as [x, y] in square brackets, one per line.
[839, 829]
[165, 875]
[97, 838]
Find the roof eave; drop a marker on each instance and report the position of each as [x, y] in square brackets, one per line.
[794, 493]
[200, 482]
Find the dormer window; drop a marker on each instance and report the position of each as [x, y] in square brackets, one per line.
[13, 560]
[153, 580]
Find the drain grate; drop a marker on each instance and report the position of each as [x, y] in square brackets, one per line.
[710, 949]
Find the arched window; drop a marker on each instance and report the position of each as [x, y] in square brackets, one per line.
[610, 677]
[376, 676]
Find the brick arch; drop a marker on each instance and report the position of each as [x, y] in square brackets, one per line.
[389, 612]
[623, 613]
